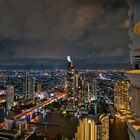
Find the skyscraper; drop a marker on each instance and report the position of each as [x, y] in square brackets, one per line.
[121, 97]
[70, 82]
[133, 116]
[80, 90]
[24, 86]
[88, 129]
[94, 89]
[29, 87]
[93, 128]
[10, 96]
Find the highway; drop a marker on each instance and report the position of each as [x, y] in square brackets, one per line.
[31, 110]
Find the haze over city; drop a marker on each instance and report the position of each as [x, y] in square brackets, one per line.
[44, 32]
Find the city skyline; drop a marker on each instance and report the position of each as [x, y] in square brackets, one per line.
[69, 69]
[42, 33]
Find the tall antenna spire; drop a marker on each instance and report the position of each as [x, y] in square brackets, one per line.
[68, 58]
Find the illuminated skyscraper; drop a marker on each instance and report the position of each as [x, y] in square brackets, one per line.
[133, 116]
[93, 128]
[70, 82]
[88, 130]
[80, 91]
[88, 92]
[121, 97]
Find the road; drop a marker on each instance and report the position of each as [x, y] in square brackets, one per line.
[49, 101]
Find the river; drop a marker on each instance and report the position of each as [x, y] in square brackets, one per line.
[68, 126]
[118, 130]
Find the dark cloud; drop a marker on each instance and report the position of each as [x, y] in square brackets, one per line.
[91, 30]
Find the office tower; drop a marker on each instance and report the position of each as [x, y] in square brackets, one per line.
[10, 96]
[18, 85]
[76, 86]
[121, 97]
[88, 129]
[80, 91]
[93, 128]
[94, 89]
[76, 81]
[70, 82]
[88, 93]
[24, 86]
[133, 116]
[29, 87]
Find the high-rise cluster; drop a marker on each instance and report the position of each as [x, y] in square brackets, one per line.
[93, 128]
[24, 86]
[79, 91]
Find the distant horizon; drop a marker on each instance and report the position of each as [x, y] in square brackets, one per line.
[119, 66]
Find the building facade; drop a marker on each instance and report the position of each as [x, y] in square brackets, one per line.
[133, 116]
[93, 128]
[29, 87]
[23, 86]
[10, 96]
[71, 90]
[121, 97]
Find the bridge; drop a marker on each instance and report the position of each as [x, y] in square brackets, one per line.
[47, 102]
[45, 123]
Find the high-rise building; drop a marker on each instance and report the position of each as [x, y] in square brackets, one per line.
[93, 128]
[121, 97]
[24, 86]
[88, 93]
[104, 120]
[88, 130]
[70, 82]
[133, 116]
[94, 89]
[10, 96]
[17, 82]
[29, 87]
[76, 81]
[80, 91]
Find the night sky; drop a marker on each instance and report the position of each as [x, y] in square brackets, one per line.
[44, 32]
